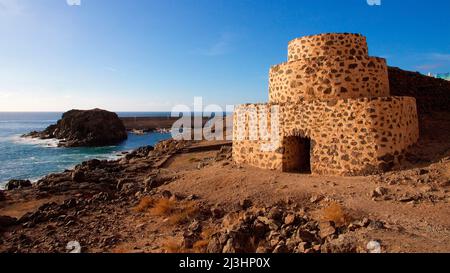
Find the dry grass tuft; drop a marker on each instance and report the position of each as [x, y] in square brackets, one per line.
[145, 203]
[173, 246]
[200, 246]
[207, 233]
[334, 212]
[163, 207]
[183, 212]
[176, 211]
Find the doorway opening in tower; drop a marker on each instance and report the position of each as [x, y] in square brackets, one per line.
[297, 154]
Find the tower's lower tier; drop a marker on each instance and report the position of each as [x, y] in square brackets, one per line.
[341, 137]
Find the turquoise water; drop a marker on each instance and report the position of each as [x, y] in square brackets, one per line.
[32, 159]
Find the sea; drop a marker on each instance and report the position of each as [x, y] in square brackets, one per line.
[32, 159]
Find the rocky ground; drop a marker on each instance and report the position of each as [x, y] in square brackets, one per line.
[191, 197]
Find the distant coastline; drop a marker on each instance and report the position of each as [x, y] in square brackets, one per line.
[23, 158]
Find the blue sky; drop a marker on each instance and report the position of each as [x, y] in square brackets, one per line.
[148, 55]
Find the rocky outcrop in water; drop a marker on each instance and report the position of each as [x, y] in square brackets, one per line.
[17, 184]
[85, 128]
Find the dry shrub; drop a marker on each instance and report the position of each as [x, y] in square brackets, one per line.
[163, 207]
[201, 245]
[173, 246]
[145, 203]
[184, 211]
[335, 213]
[176, 211]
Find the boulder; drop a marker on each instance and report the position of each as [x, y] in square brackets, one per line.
[343, 244]
[217, 212]
[281, 248]
[326, 229]
[305, 236]
[214, 245]
[141, 152]
[155, 181]
[290, 219]
[275, 214]
[245, 204]
[259, 229]
[85, 128]
[229, 247]
[6, 221]
[78, 176]
[17, 184]
[379, 191]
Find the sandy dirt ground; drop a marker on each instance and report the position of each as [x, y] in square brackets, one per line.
[408, 207]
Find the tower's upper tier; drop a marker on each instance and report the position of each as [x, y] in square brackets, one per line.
[329, 44]
[327, 67]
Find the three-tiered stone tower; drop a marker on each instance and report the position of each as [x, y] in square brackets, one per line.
[330, 112]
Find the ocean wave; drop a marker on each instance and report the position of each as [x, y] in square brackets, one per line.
[115, 156]
[51, 143]
[107, 156]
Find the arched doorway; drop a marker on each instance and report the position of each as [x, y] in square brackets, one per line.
[297, 154]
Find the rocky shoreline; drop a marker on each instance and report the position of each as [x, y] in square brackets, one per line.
[92, 182]
[95, 192]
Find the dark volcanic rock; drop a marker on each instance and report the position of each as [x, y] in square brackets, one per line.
[17, 184]
[430, 93]
[140, 152]
[85, 128]
[6, 221]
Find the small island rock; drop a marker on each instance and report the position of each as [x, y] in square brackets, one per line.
[85, 128]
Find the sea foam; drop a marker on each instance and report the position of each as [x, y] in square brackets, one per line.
[51, 143]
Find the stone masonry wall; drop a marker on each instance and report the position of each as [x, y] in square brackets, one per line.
[348, 137]
[328, 78]
[328, 44]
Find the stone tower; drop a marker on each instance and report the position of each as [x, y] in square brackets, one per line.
[330, 112]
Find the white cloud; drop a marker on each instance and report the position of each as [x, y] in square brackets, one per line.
[428, 67]
[73, 2]
[220, 47]
[440, 57]
[432, 61]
